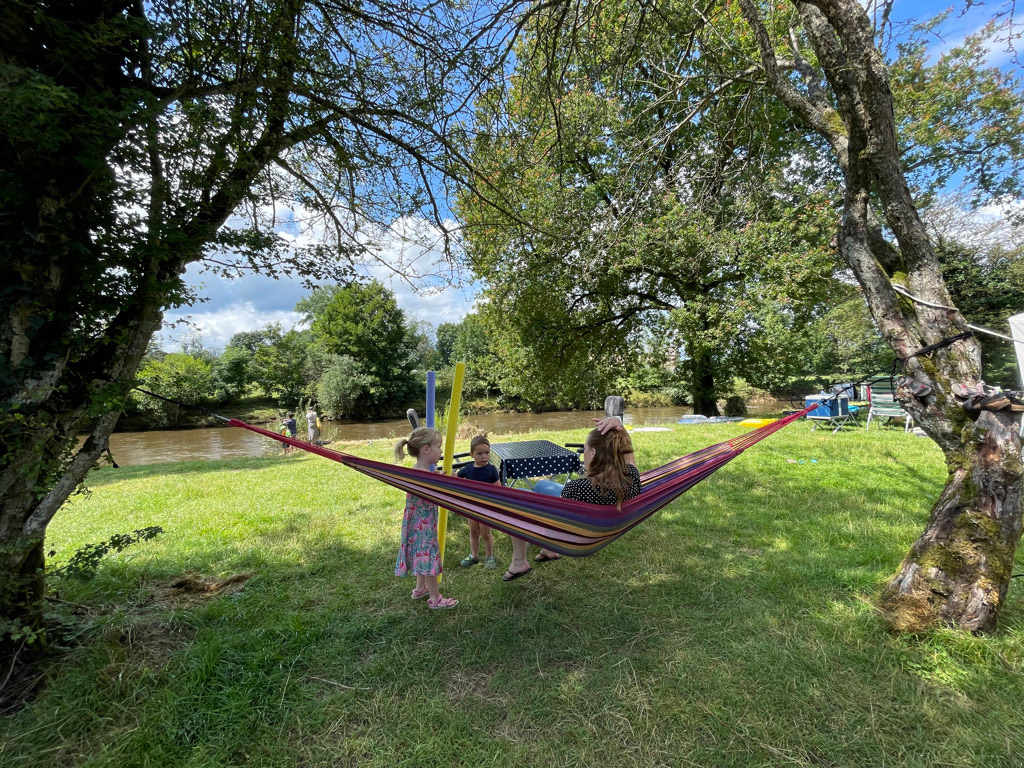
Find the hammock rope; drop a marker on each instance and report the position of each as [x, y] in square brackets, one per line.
[566, 526]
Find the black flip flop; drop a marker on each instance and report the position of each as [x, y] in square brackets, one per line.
[995, 402]
[542, 558]
[514, 576]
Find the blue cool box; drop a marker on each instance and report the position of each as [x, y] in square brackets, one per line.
[830, 410]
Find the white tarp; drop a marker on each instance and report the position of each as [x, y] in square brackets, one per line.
[1017, 331]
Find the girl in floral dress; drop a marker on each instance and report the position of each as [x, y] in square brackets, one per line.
[420, 552]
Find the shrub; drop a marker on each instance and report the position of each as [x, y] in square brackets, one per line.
[735, 406]
[341, 387]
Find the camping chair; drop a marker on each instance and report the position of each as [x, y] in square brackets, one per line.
[848, 391]
[833, 412]
[882, 403]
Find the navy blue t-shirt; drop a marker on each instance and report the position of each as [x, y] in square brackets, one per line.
[485, 474]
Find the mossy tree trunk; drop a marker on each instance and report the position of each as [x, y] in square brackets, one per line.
[79, 304]
[958, 571]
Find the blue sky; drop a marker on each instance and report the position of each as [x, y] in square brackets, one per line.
[252, 301]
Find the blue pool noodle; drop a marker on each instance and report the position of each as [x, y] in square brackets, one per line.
[431, 376]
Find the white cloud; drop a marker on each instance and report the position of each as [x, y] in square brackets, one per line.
[218, 326]
[432, 289]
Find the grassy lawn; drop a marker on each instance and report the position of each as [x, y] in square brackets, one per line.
[734, 628]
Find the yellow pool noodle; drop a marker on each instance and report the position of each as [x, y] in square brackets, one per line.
[449, 449]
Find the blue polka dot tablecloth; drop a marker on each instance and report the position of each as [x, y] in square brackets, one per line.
[533, 458]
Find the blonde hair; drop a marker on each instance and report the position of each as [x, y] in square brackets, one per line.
[609, 470]
[478, 440]
[417, 440]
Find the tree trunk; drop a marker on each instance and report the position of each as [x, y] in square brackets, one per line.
[21, 597]
[957, 573]
[702, 383]
[41, 457]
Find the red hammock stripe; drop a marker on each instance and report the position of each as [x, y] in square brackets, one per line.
[570, 527]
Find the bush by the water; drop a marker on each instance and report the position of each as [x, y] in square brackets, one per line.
[735, 406]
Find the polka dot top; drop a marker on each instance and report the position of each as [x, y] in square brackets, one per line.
[581, 490]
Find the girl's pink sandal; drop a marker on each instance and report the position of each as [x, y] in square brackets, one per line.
[443, 602]
[418, 593]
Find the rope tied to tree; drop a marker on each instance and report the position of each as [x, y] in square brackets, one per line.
[900, 362]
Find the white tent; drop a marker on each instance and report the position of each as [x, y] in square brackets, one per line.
[1017, 331]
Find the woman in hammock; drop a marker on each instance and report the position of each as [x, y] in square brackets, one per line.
[610, 477]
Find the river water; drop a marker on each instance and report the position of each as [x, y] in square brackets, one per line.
[228, 442]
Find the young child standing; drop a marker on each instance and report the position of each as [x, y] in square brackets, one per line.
[289, 429]
[482, 470]
[420, 552]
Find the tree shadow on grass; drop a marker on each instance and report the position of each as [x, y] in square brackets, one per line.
[105, 475]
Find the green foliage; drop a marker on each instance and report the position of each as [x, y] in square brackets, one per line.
[17, 631]
[468, 341]
[686, 241]
[316, 303]
[270, 358]
[441, 419]
[277, 367]
[179, 377]
[987, 286]
[85, 560]
[231, 371]
[656, 379]
[844, 343]
[192, 345]
[735, 406]
[365, 324]
[959, 120]
[424, 355]
[341, 387]
[838, 343]
[446, 336]
[655, 205]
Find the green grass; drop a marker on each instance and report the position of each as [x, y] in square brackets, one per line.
[735, 628]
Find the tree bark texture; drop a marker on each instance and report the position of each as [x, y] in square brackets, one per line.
[958, 571]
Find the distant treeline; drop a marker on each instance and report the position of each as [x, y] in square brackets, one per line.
[362, 356]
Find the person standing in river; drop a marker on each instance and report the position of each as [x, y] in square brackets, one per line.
[313, 421]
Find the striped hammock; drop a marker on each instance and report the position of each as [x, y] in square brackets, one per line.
[574, 528]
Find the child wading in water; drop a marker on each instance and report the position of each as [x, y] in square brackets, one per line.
[481, 469]
[420, 552]
[289, 429]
